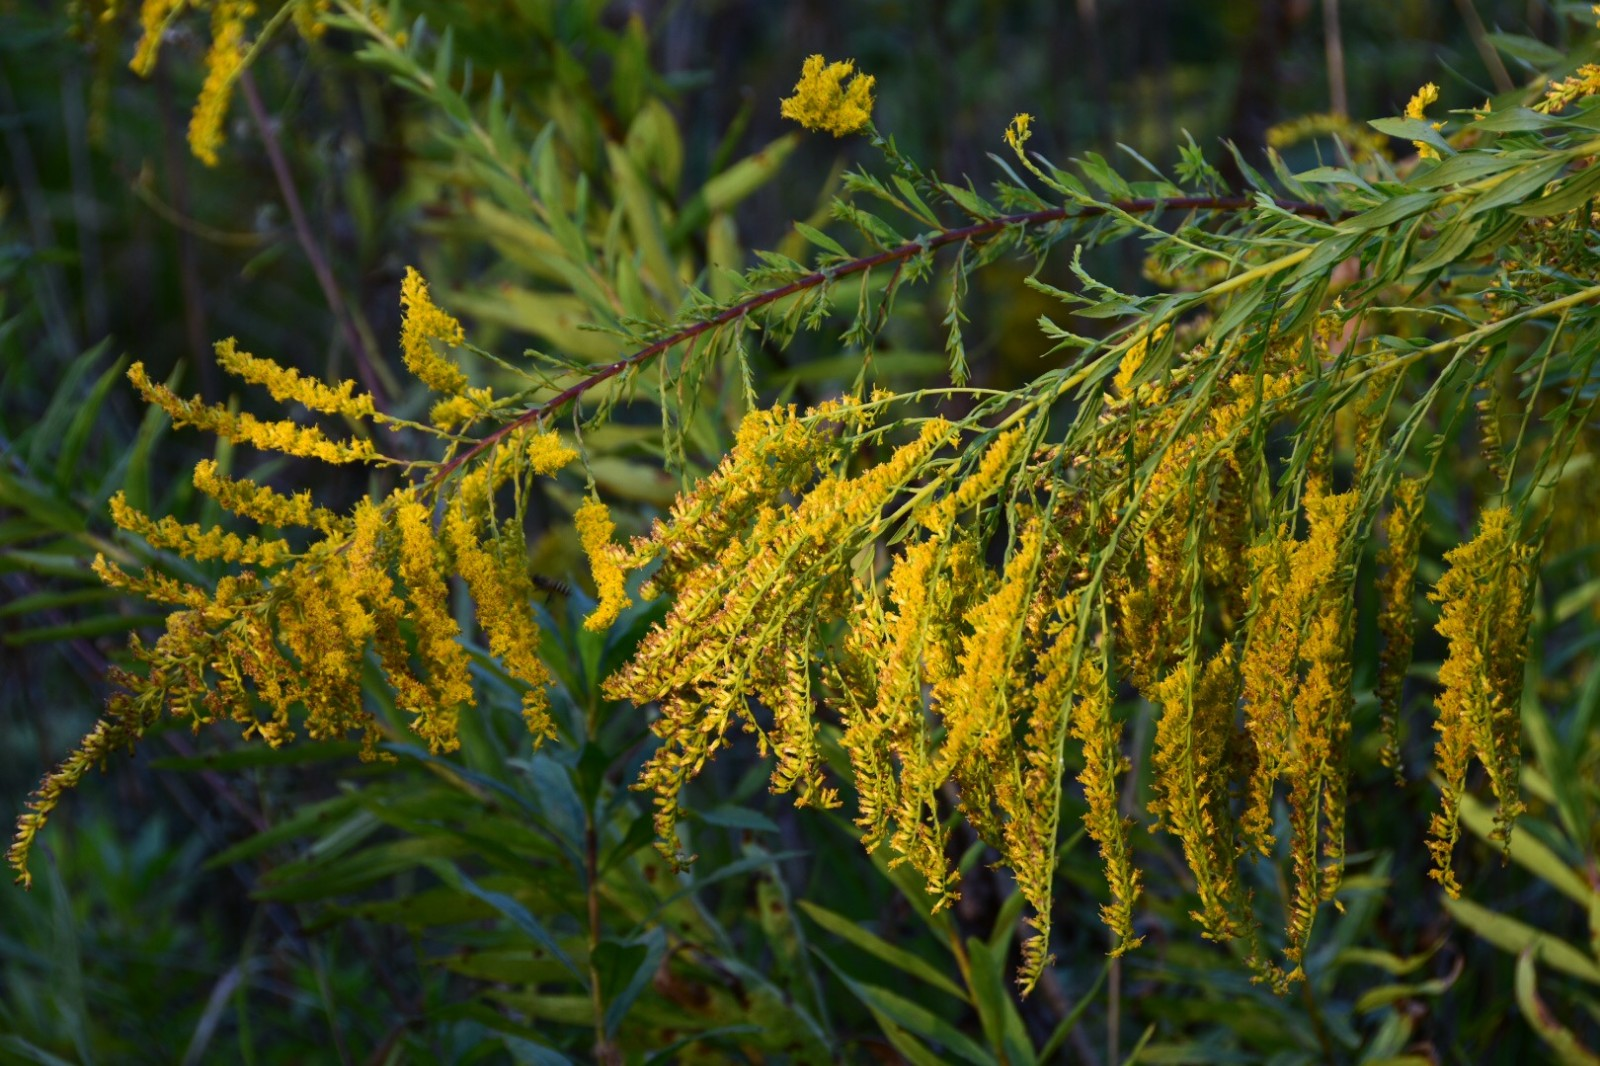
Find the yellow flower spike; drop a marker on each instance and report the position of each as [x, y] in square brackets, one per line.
[245, 428]
[193, 542]
[1189, 787]
[501, 591]
[823, 101]
[1584, 82]
[1134, 358]
[595, 531]
[448, 665]
[1484, 605]
[1100, 733]
[423, 324]
[261, 504]
[288, 385]
[308, 16]
[1398, 558]
[154, 15]
[547, 454]
[467, 408]
[1415, 108]
[223, 63]
[1019, 131]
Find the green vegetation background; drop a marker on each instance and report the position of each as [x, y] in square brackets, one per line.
[140, 944]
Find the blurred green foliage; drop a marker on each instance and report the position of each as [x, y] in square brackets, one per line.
[234, 905]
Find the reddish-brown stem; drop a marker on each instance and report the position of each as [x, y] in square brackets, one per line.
[365, 360]
[896, 255]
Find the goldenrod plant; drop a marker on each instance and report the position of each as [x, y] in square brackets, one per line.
[938, 610]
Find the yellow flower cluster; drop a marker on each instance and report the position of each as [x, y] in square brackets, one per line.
[999, 458]
[260, 503]
[284, 644]
[287, 437]
[1134, 358]
[1101, 736]
[223, 63]
[739, 622]
[595, 531]
[1018, 132]
[449, 682]
[824, 101]
[1585, 81]
[1297, 703]
[497, 576]
[194, 542]
[453, 411]
[774, 452]
[121, 726]
[1485, 599]
[547, 454]
[423, 326]
[1190, 784]
[308, 18]
[1416, 108]
[288, 385]
[879, 687]
[1363, 141]
[154, 18]
[1396, 595]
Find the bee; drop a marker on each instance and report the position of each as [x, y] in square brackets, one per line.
[552, 585]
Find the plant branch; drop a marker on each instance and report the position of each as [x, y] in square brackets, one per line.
[365, 359]
[897, 255]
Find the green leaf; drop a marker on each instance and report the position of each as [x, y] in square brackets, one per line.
[912, 1017]
[1064, 1028]
[1510, 935]
[1515, 120]
[54, 599]
[730, 816]
[1573, 193]
[898, 957]
[644, 221]
[99, 626]
[997, 1011]
[1385, 995]
[518, 915]
[1387, 961]
[970, 202]
[624, 969]
[49, 425]
[1387, 214]
[822, 240]
[1529, 852]
[1449, 246]
[1239, 310]
[1332, 176]
[641, 831]
[1413, 129]
[41, 504]
[27, 1052]
[741, 179]
[557, 797]
[86, 420]
[1519, 187]
[1560, 1039]
[1529, 50]
[525, 1052]
[1466, 167]
[303, 821]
